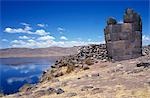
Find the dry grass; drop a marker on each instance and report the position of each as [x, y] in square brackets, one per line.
[117, 84]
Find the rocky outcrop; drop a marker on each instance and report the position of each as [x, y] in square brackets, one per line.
[124, 40]
[93, 51]
[146, 50]
[86, 56]
[143, 64]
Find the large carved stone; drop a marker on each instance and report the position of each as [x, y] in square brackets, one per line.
[132, 17]
[124, 41]
[111, 21]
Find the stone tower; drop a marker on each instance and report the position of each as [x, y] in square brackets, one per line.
[124, 40]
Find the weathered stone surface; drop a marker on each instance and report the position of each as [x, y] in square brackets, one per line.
[96, 90]
[27, 88]
[127, 27]
[59, 91]
[93, 75]
[85, 67]
[39, 93]
[143, 64]
[132, 17]
[71, 94]
[124, 41]
[86, 56]
[86, 88]
[48, 91]
[111, 21]
[146, 50]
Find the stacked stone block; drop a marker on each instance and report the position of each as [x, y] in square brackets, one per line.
[124, 40]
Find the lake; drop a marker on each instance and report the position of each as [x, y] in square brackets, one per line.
[15, 72]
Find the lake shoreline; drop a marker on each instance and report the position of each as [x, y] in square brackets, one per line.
[15, 72]
[38, 52]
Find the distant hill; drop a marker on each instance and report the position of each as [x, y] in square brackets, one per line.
[37, 52]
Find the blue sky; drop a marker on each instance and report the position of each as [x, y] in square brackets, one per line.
[38, 24]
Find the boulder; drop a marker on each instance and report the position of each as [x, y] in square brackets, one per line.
[58, 74]
[111, 21]
[146, 50]
[26, 88]
[39, 93]
[59, 91]
[143, 64]
[71, 94]
[50, 90]
[86, 88]
[85, 67]
[96, 90]
[94, 75]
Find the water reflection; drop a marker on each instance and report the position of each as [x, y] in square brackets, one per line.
[15, 72]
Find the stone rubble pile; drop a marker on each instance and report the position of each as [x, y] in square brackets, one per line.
[28, 88]
[86, 56]
[146, 50]
[93, 51]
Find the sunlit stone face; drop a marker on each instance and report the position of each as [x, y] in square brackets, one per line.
[124, 41]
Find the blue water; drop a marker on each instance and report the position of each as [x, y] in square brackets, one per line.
[15, 72]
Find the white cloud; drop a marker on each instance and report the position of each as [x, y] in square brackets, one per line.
[46, 38]
[4, 40]
[42, 25]
[25, 24]
[17, 42]
[41, 32]
[27, 29]
[10, 30]
[120, 21]
[74, 43]
[89, 40]
[33, 43]
[146, 39]
[23, 37]
[31, 40]
[60, 30]
[48, 42]
[63, 38]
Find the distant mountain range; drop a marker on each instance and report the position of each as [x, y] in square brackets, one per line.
[37, 52]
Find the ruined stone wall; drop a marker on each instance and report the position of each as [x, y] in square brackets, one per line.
[124, 40]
